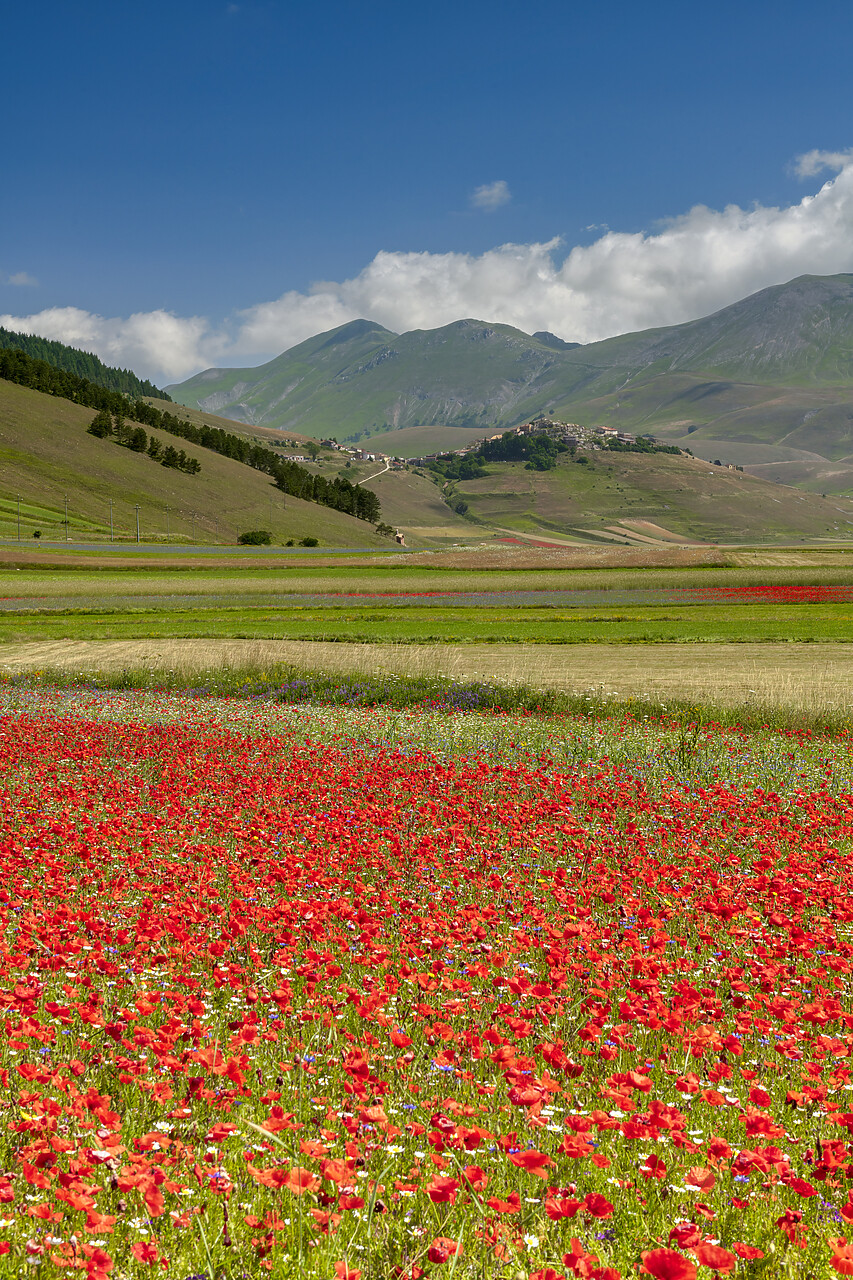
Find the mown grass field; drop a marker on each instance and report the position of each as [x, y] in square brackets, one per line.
[781, 685]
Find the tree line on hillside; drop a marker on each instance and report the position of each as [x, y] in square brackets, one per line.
[297, 481]
[538, 451]
[82, 363]
[642, 444]
[104, 426]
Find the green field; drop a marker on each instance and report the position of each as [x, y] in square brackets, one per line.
[399, 574]
[160, 628]
[222, 602]
[693, 624]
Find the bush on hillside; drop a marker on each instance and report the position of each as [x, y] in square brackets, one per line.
[255, 538]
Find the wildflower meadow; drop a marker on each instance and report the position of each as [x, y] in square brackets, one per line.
[353, 992]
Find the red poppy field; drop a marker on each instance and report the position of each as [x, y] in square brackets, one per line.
[341, 995]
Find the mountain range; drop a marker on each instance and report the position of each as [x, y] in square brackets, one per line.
[768, 380]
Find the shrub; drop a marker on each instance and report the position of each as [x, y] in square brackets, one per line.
[255, 538]
[309, 542]
[101, 426]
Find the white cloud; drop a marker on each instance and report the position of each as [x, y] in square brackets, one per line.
[814, 162]
[152, 343]
[491, 196]
[689, 266]
[23, 279]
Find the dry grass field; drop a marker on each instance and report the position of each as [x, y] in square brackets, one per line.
[813, 678]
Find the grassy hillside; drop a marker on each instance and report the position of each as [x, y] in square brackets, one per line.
[691, 409]
[642, 499]
[46, 455]
[201, 418]
[651, 497]
[413, 442]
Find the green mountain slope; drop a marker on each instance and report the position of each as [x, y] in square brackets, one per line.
[47, 455]
[362, 378]
[795, 334]
[774, 370]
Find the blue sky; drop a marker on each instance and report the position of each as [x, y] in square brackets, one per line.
[200, 166]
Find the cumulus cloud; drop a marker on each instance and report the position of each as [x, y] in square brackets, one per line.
[814, 162]
[153, 343]
[687, 267]
[690, 266]
[491, 196]
[22, 279]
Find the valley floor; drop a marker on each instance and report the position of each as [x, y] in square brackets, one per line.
[813, 678]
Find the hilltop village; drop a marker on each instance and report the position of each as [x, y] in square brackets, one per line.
[568, 434]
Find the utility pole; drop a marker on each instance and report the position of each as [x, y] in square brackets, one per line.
[19, 517]
[168, 536]
[192, 517]
[137, 522]
[66, 517]
[111, 519]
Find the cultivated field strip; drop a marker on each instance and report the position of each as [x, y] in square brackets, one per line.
[806, 676]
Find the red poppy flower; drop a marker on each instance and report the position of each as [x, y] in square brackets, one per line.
[145, 1252]
[802, 1188]
[511, 1205]
[664, 1264]
[534, 1162]
[701, 1177]
[579, 1261]
[597, 1205]
[841, 1257]
[561, 1207]
[653, 1167]
[442, 1249]
[747, 1251]
[713, 1256]
[442, 1190]
[686, 1235]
